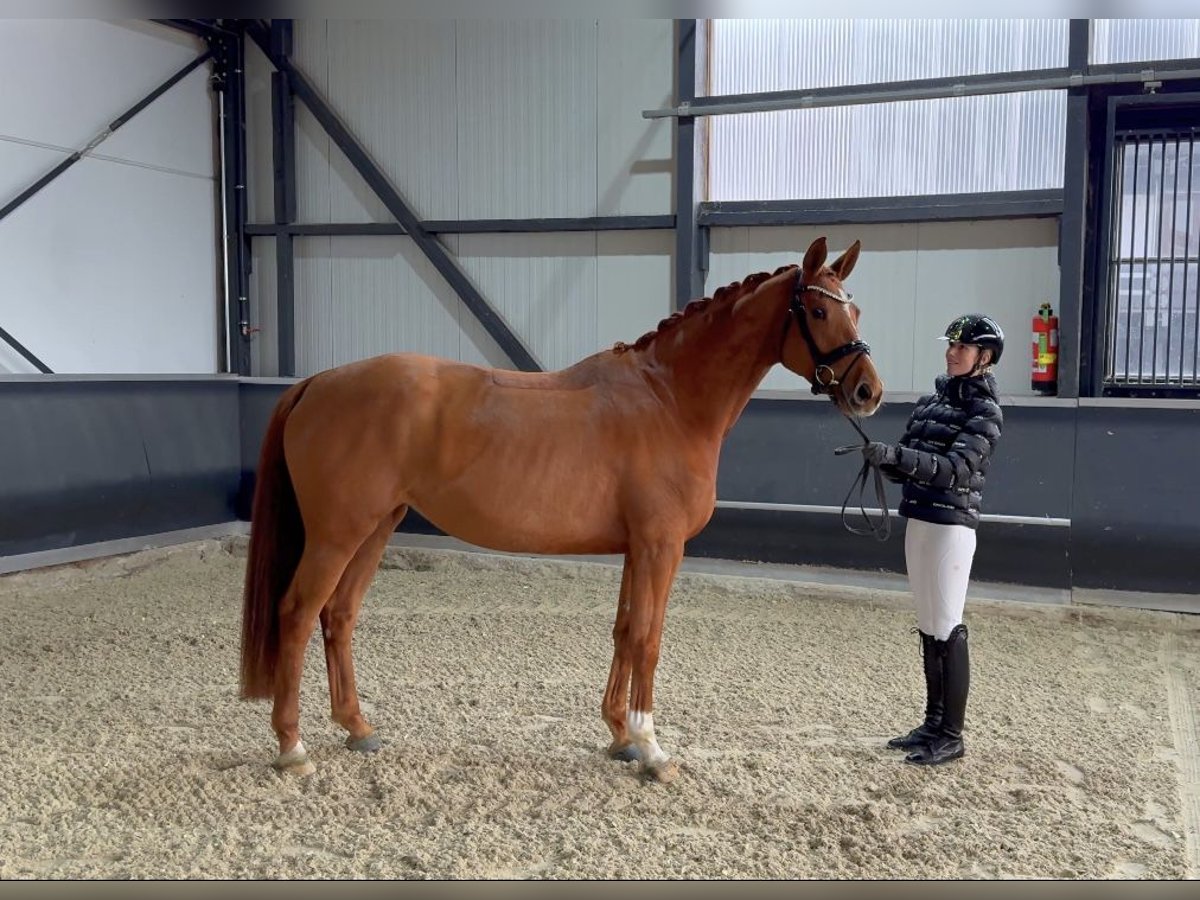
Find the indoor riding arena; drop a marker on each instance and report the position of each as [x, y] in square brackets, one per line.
[417, 448]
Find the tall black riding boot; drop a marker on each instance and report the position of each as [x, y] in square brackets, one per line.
[930, 728]
[956, 675]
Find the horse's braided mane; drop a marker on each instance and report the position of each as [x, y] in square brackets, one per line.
[723, 295]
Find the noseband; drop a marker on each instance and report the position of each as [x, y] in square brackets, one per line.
[824, 379]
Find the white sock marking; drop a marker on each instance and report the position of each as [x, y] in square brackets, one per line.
[641, 730]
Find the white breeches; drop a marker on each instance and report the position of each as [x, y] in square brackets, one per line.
[939, 567]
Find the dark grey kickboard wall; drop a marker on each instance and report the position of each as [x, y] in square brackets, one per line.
[91, 460]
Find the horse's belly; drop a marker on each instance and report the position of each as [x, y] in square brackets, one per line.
[533, 521]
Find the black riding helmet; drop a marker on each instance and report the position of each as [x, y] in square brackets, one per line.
[983, 331]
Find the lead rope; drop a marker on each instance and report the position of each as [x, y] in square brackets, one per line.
[882, 529]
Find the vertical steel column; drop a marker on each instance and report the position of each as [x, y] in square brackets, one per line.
[229, 80]
[240, 207]
[1075, 236]
[690, 261]
[283, 143]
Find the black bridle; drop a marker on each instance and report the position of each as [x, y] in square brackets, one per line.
[823, 382]
[824, 379]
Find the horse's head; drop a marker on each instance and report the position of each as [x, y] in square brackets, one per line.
[820, 338]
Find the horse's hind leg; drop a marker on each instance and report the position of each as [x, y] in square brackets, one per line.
[317, 575]
[615, 705]
[337, 627]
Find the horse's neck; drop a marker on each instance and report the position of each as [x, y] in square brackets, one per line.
[711, 372]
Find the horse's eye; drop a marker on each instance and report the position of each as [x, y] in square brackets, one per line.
[818, 313]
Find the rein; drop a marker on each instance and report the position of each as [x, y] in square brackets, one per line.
[880, 530]
[823, 382]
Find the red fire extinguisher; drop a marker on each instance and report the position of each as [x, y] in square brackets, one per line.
[1045, 350]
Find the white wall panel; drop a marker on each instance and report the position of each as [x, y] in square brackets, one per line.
[490, 119]
[393, 82]
[547, 123]
[22, 163]
[634, 281]
[314, 304]
[544, 285]
[479, 119]
[388, 298]
[80, 74]
[574, 293]
[313, 146]
[113, 269]
[363, 296]
[177, 132]
[114, 266]
[1006, 269]
[263, 315]
[527, 118]
[635, 71]
[260, 162]
[910, 281]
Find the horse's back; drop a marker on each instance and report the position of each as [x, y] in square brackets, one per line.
[548, 462]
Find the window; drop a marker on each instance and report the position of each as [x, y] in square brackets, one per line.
[1153, 257]
[958, 145]
[1135, 40]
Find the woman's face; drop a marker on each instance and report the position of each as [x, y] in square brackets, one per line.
[961, 359]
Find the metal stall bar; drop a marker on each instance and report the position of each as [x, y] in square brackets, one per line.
[441, 259]
[1187, 248]
[1145, 250]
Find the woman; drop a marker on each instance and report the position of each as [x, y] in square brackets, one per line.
[942, 461]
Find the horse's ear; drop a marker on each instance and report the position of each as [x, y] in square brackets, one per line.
[844, 264]
[814, 259]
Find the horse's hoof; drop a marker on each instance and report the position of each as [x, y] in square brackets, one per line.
[295, 762]
[664, 773]
[624, 752]
[367, 744]
[304, 768]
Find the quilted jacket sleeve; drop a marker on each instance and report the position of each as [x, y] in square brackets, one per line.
[965, 457]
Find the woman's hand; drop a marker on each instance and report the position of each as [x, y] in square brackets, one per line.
[879, 454]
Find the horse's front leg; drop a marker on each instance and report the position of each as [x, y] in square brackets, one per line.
[650, 569]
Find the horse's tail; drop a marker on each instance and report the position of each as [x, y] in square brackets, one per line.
[276, 544]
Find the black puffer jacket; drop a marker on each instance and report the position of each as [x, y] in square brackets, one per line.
[942, 460]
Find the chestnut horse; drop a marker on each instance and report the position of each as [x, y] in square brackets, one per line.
[615, 454]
